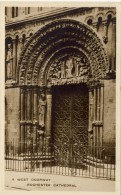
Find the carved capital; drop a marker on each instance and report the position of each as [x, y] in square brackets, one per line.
[114, 20]
[111, 74]
[90, 131]
[48, 90]
[105, 39]
[97, 123]
[42, 89]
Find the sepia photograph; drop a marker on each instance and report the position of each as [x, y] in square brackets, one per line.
[60, 98]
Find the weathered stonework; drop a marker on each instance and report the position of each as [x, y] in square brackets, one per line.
[60, 47]
[87, 40]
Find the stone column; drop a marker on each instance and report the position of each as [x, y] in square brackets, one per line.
[48, 114]
[101, 113]
[35, 106]
[14, 58]
[22, 125]
[28, 133]
[19, 48]
[35, 116]
[98, 103]
[28, 114]
[94, 103]
[114, 45]
[104, 28]
[101, 102]
[95, 118]
[90, 130]
[34, 138]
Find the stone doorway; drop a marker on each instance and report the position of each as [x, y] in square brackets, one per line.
[70, 123]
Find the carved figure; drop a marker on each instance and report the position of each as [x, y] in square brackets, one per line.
[77, 65]
[69, 65]
[42, 107]
[63, 70]
[9, 62]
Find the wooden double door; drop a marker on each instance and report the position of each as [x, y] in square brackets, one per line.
[70, 124]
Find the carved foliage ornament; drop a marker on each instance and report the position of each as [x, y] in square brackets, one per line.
[45, 39]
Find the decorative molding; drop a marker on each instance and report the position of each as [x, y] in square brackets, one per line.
[97, 123]
[49, 38]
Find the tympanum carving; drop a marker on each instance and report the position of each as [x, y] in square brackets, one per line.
[70, 70]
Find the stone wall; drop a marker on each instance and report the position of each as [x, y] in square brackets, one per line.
[19, 31]
[109, 112]
[12, 113]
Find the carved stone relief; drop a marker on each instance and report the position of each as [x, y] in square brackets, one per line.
[77, 36]
[42, 107]
[70, 70]
[9, 62]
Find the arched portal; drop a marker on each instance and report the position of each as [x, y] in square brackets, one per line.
[46, 44]
[64, 52]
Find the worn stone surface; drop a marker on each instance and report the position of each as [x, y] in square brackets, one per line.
[12, 112]
[61, 46]
[109, 112]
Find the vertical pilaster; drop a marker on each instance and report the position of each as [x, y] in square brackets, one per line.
[22, 114]
[14, 58]
[101, 102]
[101, 114]
[34, 134]
[105, 33]
[90, 108]
[28, 114]
[90, 130]
[98, 103]
[114, 45]
[9, 12]
[48, 114]
[94, 100]
[19, 47]
[35, 106]
[95, 118]
[35, 114]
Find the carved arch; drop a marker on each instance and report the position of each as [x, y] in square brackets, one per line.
[110, 12]
[101, 14]
[53, 37]
[89, 17]
[17, 34]
[9, 35]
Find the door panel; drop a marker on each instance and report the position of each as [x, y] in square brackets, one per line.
[70, 123]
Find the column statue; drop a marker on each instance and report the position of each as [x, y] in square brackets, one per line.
[63, 70]
[69, 65]
[42, 107]
[9, 61]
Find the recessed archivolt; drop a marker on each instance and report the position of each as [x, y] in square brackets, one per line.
[48, 52]
[58, 34]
